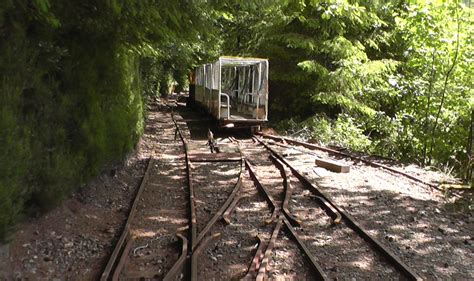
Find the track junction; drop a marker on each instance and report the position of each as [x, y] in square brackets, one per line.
[244, 213]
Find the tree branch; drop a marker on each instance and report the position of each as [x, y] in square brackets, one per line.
[448, 74]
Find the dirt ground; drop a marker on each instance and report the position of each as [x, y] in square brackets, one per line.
[433, 234]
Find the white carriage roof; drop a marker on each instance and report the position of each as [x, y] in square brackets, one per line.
[235, 61]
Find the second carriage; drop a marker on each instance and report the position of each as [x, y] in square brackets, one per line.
[234, 90]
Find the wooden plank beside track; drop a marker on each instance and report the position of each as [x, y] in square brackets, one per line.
[332, 165]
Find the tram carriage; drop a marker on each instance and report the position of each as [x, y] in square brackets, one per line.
[234, 90]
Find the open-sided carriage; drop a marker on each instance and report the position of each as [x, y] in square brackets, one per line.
[234, 90]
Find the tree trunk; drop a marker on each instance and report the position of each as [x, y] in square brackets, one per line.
[428, 106]
[443, 95]
[470, 144]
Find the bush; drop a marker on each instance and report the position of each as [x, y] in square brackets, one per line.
[342, 132]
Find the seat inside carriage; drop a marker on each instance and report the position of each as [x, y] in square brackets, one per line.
[234, 89]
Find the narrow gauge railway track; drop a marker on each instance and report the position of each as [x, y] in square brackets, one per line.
[134, 256]
[202, 221]
[255, 225]
[248, 234]
[217, 239]
[229, 245]
[366, 193]
[380, 262]
[147, 247]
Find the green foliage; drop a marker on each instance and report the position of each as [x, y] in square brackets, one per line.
[242, 24]
[401, 73]
[341, 132]
[74, 76]
[435, 83]
[319, 51]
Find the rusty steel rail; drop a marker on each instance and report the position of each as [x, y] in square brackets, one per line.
[123, 258]
[320, 275]
[333, 213]
[228, 211]
[275, 208]
[201, 247]
[178, 265]
[268, 197]
[262, 269]
[356, 158]
[199, 241]
[236, 198]
[387, 253]
[285, 174]
[119, 250]
[256, 261]
[192, 207]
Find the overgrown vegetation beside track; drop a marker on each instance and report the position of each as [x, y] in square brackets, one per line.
[73, 79]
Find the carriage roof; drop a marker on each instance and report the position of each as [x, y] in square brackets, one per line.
[235, 61]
